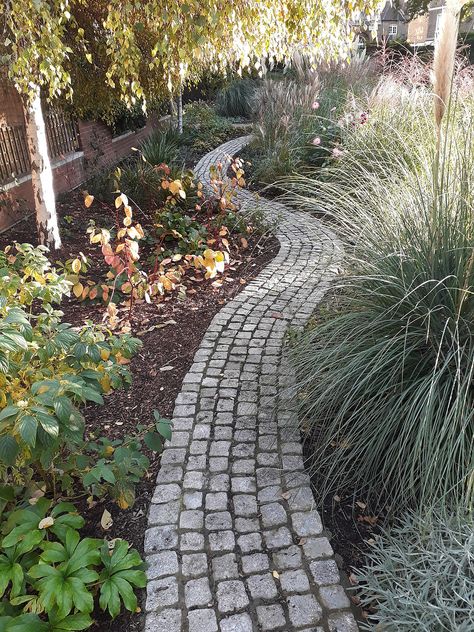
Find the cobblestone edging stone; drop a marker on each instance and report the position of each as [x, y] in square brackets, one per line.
[234, 542]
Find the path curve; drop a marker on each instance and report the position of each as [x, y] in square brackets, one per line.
[234, 542]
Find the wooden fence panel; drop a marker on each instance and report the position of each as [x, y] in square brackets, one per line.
[61, 133]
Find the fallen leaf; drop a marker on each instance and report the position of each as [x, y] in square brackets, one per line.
[106, 521]
[352, 579]
[361, 504]
[285, 495]
[276, 574]
[157, 326]
[46, 522]
[167, 368]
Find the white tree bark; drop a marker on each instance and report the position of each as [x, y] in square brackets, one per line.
[180, 111]
[41, 175]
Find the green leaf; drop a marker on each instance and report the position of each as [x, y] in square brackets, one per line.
[8, 411]
[48, 423]
[92, 395]
[24, 623]
[110, 598]
[53, 552]
[73, 622]
[165, 429]
[81, 596]
[85, 554]
[16, 574]
[63, 408]
[153, 441]
[27, 427]
[8, 450]
[126, 592]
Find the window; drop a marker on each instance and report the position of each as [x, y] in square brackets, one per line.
[438, 23]
[392, 29]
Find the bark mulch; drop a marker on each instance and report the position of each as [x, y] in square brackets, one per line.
[171, 330]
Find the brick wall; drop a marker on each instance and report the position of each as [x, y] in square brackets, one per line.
[98, 149]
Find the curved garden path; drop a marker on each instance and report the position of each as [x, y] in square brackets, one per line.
[234, 542]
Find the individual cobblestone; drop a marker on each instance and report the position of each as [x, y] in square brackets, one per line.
[235, 543]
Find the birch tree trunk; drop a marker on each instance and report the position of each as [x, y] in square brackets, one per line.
[41, 175]
[180, 111]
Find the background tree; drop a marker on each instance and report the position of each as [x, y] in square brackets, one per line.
[415, 8]
[178, 40]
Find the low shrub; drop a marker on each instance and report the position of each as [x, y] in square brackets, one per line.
[51, 579]
[204, 129]
[48, 370]
[420, 574]
[236, 99]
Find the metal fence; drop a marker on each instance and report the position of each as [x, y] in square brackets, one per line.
[62, 136]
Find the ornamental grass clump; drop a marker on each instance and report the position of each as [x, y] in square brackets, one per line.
[236, 99]
[421, 574]
[387, 384]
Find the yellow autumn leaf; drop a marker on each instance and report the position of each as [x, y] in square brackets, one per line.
[175, 186]
[78, 289]
[88, 199]
[76, 266]
[95, 239]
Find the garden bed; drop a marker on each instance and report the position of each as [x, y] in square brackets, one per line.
[171, 330]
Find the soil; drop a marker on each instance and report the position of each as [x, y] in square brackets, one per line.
[171, 330]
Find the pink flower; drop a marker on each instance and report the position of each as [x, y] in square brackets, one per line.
[316, 141]
[363, 118]
[315, 105]
[337, 153]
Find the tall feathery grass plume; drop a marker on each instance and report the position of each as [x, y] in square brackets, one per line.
[444, 57]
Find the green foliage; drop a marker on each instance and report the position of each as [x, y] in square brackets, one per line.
[387, 383]
[161, 147]
[236, 99]
[48, 370]
[419, 574]
[139, 179]
[204, 129]
[298, 116]
[50, 576]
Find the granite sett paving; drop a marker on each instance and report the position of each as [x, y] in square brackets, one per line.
[235, 542]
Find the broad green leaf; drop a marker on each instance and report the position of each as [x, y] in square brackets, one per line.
[8, 450]
[126, 592]
[8, 411]
[27, 427]
[82, 598]
[153, 441]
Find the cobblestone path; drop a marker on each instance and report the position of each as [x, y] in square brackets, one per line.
[234, 542]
